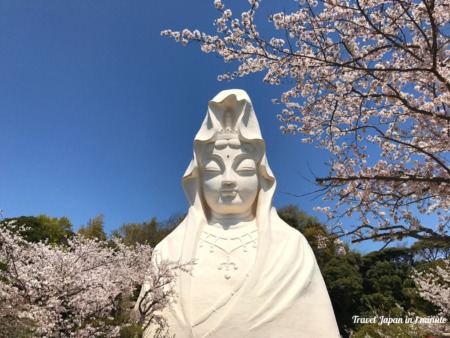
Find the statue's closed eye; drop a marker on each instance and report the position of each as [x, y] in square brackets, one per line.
[247, 166]
[212, 167]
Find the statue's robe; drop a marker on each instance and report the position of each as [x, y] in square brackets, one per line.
[283, 295]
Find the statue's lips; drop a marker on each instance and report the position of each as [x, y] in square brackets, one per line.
[228, 192]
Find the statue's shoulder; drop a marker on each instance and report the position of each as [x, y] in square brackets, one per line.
[173, 243]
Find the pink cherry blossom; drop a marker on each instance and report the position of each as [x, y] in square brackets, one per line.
[72, 290]
[370, 82]
[434, 286]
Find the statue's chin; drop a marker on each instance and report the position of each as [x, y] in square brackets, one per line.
[229, 206]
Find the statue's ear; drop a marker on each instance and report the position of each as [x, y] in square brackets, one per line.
[267, 179]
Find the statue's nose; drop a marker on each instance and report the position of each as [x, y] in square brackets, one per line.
[228, 183]
[228, 177]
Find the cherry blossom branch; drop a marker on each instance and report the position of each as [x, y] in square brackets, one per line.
[370, 83]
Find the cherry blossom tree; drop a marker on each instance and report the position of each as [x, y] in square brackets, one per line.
[434, 286]
[156, 293]
[59, 291]
[370, 82]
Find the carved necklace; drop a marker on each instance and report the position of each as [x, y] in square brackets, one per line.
[228, 242]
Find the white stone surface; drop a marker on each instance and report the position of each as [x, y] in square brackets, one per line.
[255, 276]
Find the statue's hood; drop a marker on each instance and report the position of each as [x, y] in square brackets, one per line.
[244, 122]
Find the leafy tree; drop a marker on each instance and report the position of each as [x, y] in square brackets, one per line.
[299, 219]
[384, 286]
[56, 229]
[150, 233]
[393, 331]
[94, 228]
[431, 250]
[388, 286]
[42, 228]
[370, 82]
[345, 286]
[398, 255]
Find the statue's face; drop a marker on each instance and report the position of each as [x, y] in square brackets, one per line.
[229, 180]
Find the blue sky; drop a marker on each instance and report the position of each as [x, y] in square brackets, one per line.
[98, 111]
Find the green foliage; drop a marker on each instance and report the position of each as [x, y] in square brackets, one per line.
[345, 286]
[396, 255]
[121, 315]
[298, 219]
[387, 278]
[12, 327]
[94, 228]
[132, 331]
[42, 228]
[151, 232]
[377, 303]
[418, 305]
[391, 331]
[431, 250]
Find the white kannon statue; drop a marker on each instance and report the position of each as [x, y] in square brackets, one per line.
[254, 276]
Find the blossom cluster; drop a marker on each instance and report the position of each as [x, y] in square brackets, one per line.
[434, 286]
[72, 290]
[370, 82]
